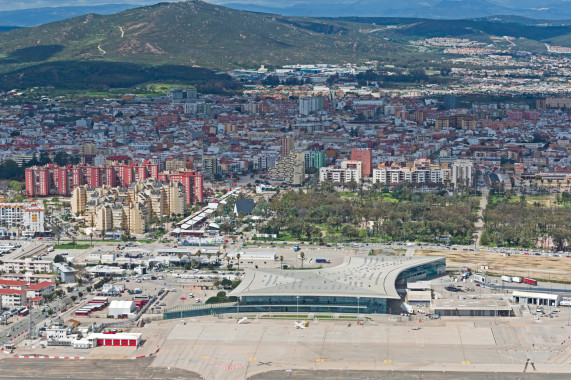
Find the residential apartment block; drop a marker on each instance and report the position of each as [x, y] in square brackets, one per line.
[290, 169]
[27, 217]
[54, 180]
[26, 265]
[346, 172]
[13, 297]
[422, 171]
[129, 209]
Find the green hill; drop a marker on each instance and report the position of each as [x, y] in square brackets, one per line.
[198, 34]
[189, 33]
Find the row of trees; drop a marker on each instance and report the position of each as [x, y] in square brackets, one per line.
[520, 224]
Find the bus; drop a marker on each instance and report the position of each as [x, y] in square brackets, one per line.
[23, 312]
[529, 281]
[322, 261]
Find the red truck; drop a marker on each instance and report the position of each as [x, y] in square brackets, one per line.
[529, 281]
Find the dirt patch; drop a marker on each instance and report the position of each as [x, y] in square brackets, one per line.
[537, 267]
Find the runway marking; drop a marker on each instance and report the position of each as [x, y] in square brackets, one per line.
[465, 362]
[319, 360]
[388, 361]
[205, 357]
[253, 359]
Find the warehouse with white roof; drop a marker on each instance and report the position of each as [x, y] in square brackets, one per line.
[121, 308]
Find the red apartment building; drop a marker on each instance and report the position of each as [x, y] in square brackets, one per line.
[363, 155]
[52, 180]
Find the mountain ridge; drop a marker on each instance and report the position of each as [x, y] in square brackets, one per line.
[198, 34]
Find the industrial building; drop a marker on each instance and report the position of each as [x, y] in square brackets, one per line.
[121, 308]
[472, 307]
[536, 298]
[118, 339]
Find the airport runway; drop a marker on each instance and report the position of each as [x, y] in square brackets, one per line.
[408, 375]
[53, 369]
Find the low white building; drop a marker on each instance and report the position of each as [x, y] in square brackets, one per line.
[13, 297]
[121, 308]
[40, 289]
[536, 298]
[27, 265]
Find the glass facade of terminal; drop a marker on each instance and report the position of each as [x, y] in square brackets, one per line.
[420, 272]
[316, 304]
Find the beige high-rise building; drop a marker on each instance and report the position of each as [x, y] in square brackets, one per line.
[119, 217]
[137, 223]
[78, 200]
[88, 148]
[176, 198]
[129, 209]
[104, 218]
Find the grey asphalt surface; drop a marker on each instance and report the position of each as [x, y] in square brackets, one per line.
[408, 375]
[54, 369]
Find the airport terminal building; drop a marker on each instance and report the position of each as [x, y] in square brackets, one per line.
[364, 285]
[360, 284]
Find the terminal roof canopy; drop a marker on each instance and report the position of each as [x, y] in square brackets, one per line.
[370, 276]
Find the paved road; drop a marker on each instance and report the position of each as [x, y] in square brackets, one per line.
[50, 369]
[480, 222]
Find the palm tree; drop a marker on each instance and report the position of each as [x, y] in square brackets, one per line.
[218, 257]
[228, 261]
[238, 258]
[302, 255]
[91, 238]
[281, 262]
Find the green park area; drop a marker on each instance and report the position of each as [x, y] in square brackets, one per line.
[527, 221]
[323, 215]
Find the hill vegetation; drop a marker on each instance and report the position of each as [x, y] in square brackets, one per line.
[138, 44]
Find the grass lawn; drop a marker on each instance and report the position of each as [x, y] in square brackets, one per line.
[72, 246]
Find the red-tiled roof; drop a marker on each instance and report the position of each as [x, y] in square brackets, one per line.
[12, 282]
[12, 291]
[40, 285]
